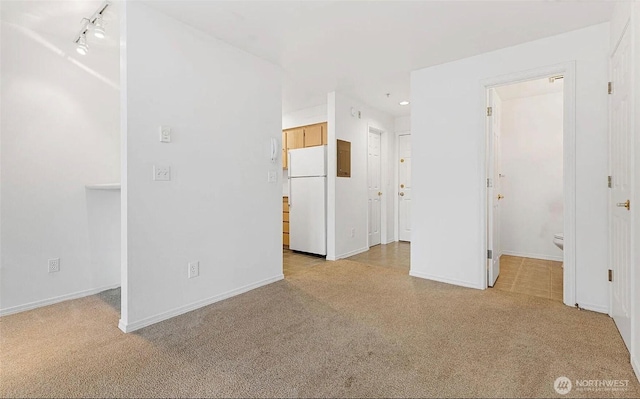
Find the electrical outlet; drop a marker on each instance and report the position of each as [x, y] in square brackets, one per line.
[194, 269]
[161, 173]
[53, 265]
[353, 232]
[165, 134]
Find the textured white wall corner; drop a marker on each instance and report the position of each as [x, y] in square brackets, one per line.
[224, 106]
[531, 158]
[60, 132]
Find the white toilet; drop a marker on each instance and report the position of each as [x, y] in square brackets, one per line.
[558, 239]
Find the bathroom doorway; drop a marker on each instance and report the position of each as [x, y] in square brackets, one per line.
[526, 186]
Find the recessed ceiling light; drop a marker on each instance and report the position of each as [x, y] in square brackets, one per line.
[405, 102]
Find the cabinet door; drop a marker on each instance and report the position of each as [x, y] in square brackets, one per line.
[295, 138]
[284, 150]
[324, 133]
[313, 135]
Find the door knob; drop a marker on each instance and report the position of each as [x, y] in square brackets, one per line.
[379, 193]
[401, 194]
[402, 186]
[626, 204]
[500, 196]
[401, 160]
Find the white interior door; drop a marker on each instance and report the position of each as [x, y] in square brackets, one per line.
[404, 187]
[620, 157]
[375, 189]
[493, 187]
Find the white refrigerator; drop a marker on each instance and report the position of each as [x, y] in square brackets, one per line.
[308, 200]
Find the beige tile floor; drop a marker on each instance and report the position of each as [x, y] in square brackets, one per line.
[395, 255]
[295, 262]
[537, 277]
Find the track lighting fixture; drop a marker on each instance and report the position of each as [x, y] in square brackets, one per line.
[82, 46]
[98, 27]
[97, 23]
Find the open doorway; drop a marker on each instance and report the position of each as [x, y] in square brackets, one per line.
[525, 187]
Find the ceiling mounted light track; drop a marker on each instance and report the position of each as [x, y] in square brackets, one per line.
[97, 23]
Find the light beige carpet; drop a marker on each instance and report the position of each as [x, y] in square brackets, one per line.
[341, 329]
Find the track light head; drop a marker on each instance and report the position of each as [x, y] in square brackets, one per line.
[82, 47]
[98, 27]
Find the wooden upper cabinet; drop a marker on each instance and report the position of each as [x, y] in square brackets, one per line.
[284, 150]
[324, 133]
[295, 138]
[313, 135]
[301, 137]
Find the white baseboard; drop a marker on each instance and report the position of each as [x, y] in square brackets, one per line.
[136, 325]
[461, 283]
[534, 256]
[356, 252]
[594, 308]
[635, 363]
[51, 301]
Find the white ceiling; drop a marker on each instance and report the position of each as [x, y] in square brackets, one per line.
[530, 88]
[368, 48]
[363, 48]
[56, 24]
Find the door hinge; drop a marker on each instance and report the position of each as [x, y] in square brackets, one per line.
[489, 254]
[489, 111]
[609, 182]
[610, 275]
[610, 87]
[489, 183]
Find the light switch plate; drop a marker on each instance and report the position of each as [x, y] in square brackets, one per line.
[165, 134]
[161, 173]
[272, 177]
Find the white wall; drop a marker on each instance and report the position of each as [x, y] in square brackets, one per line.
[60, 131]
[448, 131]
[305, 116]
[223, 106]
[301, 117]
[350, 209]
[531, 161]
[402, 124]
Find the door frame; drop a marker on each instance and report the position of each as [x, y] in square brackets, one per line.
[493, 215]
[568, 70]
[383, 183]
